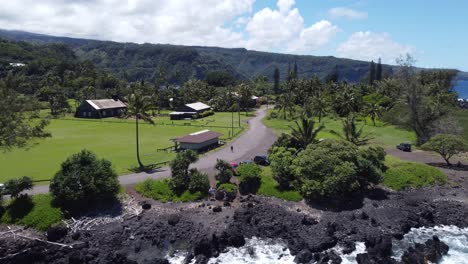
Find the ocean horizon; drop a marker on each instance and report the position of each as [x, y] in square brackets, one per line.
[461, 87]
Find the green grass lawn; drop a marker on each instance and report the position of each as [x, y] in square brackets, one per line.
[113, 139]
[35, 211]
[402, 174]
[269, 187]
[160, 190]
[383, 135]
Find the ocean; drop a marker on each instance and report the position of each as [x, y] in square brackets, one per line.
[461, 87]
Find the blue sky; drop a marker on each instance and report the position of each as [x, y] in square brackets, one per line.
[434, 32]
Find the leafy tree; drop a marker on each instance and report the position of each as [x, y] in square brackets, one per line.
[333, 76]
[139, 106]
[304, 132]
[15, 186]
[276, 81]
[286, 141]
[346, 99]
[249, 178]
[446, 145]
[224, 171]
[281, 160]
[220, 79]
[351, 133]
[19, 120]
[336, 169]
[180, 170]
[199, 182]
[57, 99]
[82, 180]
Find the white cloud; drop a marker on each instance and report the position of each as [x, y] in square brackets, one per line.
[227, 23]
[345, 12]
[284, 29]
[371, 46]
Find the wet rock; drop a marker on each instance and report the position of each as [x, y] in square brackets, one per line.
[55, 233]
[432, 250]
[304, 256]
[173, 219]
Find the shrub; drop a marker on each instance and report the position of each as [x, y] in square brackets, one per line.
[224, 174]
[286, 141]
[82, 180]
[228, 187]
[161, 190]
[199, 182]
[446, 145]
[249, 178]
[336, 169]
[281, 160]
[226, 192]
[15, 186]
[270, 187]
[180, 170]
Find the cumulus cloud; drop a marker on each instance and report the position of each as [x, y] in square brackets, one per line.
[371, 46]
[345, 12]
[270, 30]
[227, 23]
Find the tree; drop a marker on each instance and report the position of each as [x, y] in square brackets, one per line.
[378, 71]
[304, 132]
[375, 104]
[180, 170]
[83, 179]
[15, 186]
[245, 93]
[336, 169]
[446, 145]
[351, 133]
[249, 178]
[276, 81]
[139, 106]
[371, 73]
[220, 79]
[317, 106]
[294, 72]
[333, 76]
[57, 99]
[199, 182]
[281, 160]
[19, 119]
[224, 169]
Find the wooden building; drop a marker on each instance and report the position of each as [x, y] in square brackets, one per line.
[100, 108]
[189, 111]
[198, 141]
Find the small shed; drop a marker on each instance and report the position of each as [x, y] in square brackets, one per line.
[100, 108]
[189, 111]
[198, 141]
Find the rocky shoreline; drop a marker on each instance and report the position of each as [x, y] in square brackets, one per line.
[205, 229]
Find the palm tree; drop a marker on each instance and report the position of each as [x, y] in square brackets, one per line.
[304, 132]
[351, 133]
[317, 106]
[139, 106]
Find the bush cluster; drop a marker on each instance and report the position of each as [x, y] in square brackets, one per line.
[249, 178]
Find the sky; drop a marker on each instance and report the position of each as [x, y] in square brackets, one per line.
[434, 32]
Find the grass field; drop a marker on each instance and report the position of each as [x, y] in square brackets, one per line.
[269, 187]
[35, 211]
[381, 134]
[402, 174]
[113, 139]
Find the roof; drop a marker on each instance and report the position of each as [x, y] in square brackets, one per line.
[181, 113]
[198, 106]
[106, 104]
[198, 137]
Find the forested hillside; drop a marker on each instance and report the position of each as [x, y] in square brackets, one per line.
[181, 63]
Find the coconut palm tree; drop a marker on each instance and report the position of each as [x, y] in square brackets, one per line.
[352, 133]
[304, 132]
[139, 106]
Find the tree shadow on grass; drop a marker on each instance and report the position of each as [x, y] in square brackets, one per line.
[147, 169]
[455, 167]
[20, 207]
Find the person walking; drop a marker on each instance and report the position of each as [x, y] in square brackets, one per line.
[232, 148]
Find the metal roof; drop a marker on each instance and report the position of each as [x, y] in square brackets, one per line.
[198, 106]
[198, 137]
[106, 104]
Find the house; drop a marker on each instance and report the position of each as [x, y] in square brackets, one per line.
[193, 110]
[17, 64]
[100, 108]
[198, 141]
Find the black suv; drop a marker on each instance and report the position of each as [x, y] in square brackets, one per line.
[406, 147]
[261, 160]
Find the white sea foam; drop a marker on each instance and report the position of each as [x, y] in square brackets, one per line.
[456, 238]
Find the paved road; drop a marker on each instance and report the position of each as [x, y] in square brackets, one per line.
[256, 140]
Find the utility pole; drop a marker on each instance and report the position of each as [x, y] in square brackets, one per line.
[238, 109]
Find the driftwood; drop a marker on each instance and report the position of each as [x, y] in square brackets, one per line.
[15, 235]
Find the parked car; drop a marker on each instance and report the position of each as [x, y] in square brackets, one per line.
[261, 160]
[234, 165]
[245, 162]
[406, 147]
